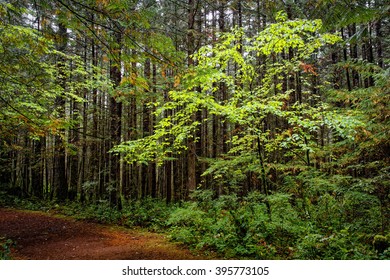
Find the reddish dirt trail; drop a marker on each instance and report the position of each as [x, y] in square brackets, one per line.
[40, 236]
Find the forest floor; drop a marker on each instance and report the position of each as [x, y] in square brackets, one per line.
[43, 236]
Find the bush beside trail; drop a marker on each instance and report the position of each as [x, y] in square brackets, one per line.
[278, 226]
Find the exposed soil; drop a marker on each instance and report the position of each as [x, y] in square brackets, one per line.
[40, 236]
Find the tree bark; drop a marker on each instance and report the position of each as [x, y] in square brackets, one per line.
[60, 178]
[115, 126]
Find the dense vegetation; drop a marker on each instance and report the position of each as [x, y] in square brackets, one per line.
[250, 129]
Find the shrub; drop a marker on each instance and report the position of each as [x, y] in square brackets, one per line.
[5, 248]
[382, 244]
[149, 212]
[341, 245]
[238, 228]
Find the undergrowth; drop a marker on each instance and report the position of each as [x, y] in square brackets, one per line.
[260, 227]
[327, 225]
[5, 248]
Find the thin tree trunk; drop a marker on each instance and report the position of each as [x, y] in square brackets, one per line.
[191, 185]
[60, 180]
[115, 127]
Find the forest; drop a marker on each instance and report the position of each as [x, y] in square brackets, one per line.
[245, 129]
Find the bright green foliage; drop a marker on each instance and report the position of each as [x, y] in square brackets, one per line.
[234, 228]
[273, 227]
[30, 74]
[24, 78]
[256, 95]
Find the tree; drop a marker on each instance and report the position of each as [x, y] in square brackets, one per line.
[252, 101]
[39, 79]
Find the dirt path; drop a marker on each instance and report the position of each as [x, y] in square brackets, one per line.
[40, 236]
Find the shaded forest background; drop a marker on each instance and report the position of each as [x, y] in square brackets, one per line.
[251, 128]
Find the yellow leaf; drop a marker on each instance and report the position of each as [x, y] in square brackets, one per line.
[177, 81]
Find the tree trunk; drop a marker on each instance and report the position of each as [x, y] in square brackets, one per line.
[60, 180]
[191, 185]
[115, 127]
